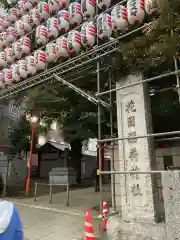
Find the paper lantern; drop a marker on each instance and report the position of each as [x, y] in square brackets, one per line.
[22, 69]
[27, 5]
[26, 23]
[2, 59]
[14, 72]
[31, 69]
[135, 11]
[34, 2]
[1, 25]
[103, 4]
[3, 37]
[62, 51]
[16, 49]
[34, 16]
[104, 26]
[88, 8]
[52, 26]
[25, 44]
[6, 21]
[2, 84]
[21, 6]
[150, 6]
[119, 18]
[40, 60]
[88, 34]
[51, 52]
[13, 14]
[41, 35]
[63, 21]
[54, 6]
[6, 76]
[9, 55]
[19, 26]
[64, 3]
[74, 42]
[75, 15]
[43, 11]
[11, 35]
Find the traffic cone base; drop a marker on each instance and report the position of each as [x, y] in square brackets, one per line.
[88, 228]
[105, 213]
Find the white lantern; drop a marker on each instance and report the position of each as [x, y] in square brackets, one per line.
[63, 21]
[64, 3]
[4, 41]
[22, 69]
[1, 25]
[135, 11]
[19, 26]
[16, 49]
[28, 5]
[11, 35]
[54, 6]
[119, 18]
[21, 6]
[9, 54]
[14, 72]
[104, 26]
[35, 1]
[2, 59]
[74, 42]
[103, 4]
[6, 21]
[43, 11]
[88, 8]
[34, 16]
[52, 26]
[27, 23]
[88, 34]
[25, 44]
[150, 6]
[40, 60]
[41, 35]
[62, 51]
[2, 85]
[31, 69]
[75, 15]
[6, 76]
[51, 52]
[13, 14]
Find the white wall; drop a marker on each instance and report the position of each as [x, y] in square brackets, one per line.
[174, 152]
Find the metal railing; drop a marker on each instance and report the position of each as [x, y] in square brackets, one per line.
[50, 191]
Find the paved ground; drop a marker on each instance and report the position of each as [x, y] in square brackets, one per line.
[56, 221]
[47, 225]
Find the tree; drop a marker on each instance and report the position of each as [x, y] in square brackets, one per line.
[150, 51]
[21, 134]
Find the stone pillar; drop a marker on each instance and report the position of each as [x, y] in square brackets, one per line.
[135, 194]
[171, 193]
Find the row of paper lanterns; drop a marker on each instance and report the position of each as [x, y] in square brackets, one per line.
[86, 8]
[64, 47]
[43, 10]
[120, 15]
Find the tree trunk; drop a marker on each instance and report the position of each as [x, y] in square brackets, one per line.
[76, 155]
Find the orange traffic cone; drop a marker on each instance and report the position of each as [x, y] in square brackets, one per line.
[105, 213]
[88, 229]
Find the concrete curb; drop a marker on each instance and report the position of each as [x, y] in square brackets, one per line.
[50, 209]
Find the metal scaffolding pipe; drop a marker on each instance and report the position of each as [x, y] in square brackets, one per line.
[17, 87]
[140, 82]
[141, 136]
[135, 172]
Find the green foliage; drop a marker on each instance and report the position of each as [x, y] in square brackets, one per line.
[157, 44]
[21, 134]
